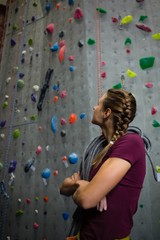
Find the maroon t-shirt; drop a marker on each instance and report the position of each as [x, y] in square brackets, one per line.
[122, 201]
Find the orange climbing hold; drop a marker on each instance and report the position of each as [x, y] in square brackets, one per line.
[55, 99]
[61, 53]
[46, 199]
[72, 118]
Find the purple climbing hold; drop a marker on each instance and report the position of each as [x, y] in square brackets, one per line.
[12, 166]
[13, 42]
[2, 124]
[33, 97]
[21, 75]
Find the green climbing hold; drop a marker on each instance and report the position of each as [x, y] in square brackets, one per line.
[146, 62]
[117, 86]
[20, 84]
[15, 27]
[35, 4]
[91, 41]
[101, 10]
[33, 117]
[158, 169]
[142, 18]
[5, 105]
[30, 42]
[128, 41]
[1, 166]
[37, 198]
[141, 205]
[19, 212]
[155, 123]
[16, 133]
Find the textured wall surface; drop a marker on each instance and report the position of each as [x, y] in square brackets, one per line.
[99, 64]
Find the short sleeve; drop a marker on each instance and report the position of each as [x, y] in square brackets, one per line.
[129, 147]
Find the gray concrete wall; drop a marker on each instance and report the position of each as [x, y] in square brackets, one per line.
[83, 87]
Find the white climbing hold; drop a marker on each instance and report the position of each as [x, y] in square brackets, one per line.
[36, 88]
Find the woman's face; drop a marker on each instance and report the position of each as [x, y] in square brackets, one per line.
[98, 112]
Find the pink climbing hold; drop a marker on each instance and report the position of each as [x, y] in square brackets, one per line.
[103, 74]
[63, 121]
[153, 110]
[78, 14]
[103, 63]
[114, 20]
[62, 43]
[28, 200]
[50, 28]
[71, 58]
[35, 225]
[149, 85]
[63, 94]
[144, 27]
[38, 150]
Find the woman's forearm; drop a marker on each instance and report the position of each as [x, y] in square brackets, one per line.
[68, 187]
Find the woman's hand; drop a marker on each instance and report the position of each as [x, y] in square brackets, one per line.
[102, 205]
[70, 185]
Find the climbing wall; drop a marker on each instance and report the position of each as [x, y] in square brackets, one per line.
[87, 47]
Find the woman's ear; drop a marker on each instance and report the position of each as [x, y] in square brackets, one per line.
[107, 113]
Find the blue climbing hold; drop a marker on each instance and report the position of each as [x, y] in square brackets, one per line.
[71, 68]
[46, 173]
[54, 124]
[65, 216]
[82, 115]
[55, 47]
[71, 2]
[48, 7]
[73, 158]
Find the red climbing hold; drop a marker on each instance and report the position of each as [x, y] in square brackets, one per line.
[78, 14]
[144, 27]
[50, 28]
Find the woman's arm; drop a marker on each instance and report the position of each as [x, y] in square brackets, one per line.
[70, 185]
[89, 194]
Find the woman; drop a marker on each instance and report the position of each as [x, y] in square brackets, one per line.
[112, 174]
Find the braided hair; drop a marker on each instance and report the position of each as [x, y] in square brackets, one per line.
[123, 107]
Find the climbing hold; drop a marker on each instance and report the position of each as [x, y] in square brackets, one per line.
[55, 47]
[28, 200]
[50, 28]
[64, 160]
[80, 44]
[1, 166]
[35, 4]
[117, 86]
[70, 2]
[55, 99]
[47, 148]
[146, 62]
[65, 216]
[2, 135]
[19, 212]
[82, 115]
[149, 85]
[35, 225]
[30, 42]
[8, 79]
[72, 118]
[103, 74]
[5, 105]
[71, 68]
[58, 6]
[37, 198]
[36, 88]
[21, 75]
[131, 74]
[78, 14]
[142, 18]
[156, 36]
[63, 94]
[33, 117]
[91, 41]
[103, 63]
[128, 51]
[16, 133]
[71, 58]
[73, 158]
[153, 110]
[13, 43]
[61, 35]
[101, 10]
[61, 53]
[33, 18]
[46, 198]
[128, 41]
[156, 123]
[29, 165]
[63, 121]
[114, 20]
[55, 172]
[63, 133]
[126, 20]
[46, 173]
[12, 166]
[33, 97]
[20, 83]
[48, 7]
[38, 150]
[143, 27]
[15, 27]
[56, 87]
[54, 124]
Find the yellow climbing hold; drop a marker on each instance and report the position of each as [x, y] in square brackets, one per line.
[126, 19]
[131, 74]
[156, 36]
